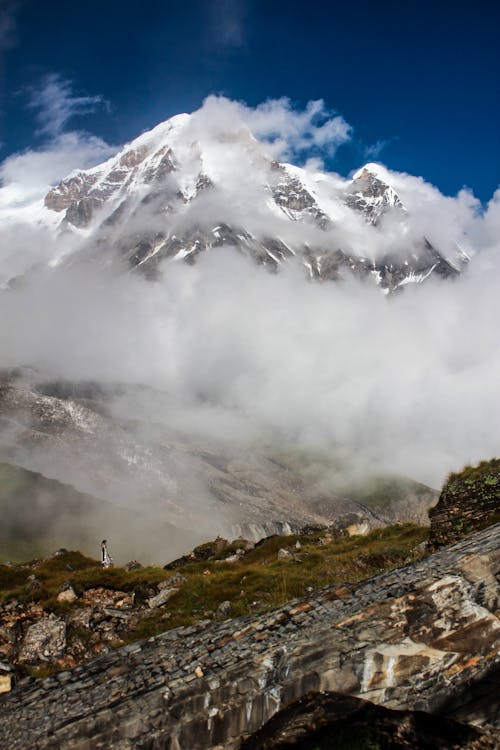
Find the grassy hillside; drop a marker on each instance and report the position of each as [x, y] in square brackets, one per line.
[258, 580]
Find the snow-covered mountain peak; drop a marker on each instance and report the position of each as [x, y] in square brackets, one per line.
[370, 193]
[186, 187]
[377, 170]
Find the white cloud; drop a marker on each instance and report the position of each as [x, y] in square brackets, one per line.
[289, 131]
[409, 384]
[55, 104]
[375, 149]
[25, 177]
[35, 169]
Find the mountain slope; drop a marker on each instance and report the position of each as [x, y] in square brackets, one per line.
[183, 488]
[41, 514]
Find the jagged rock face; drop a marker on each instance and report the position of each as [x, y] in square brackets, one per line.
[331, 721]
[469, 501]
[372, 197]
[425, 637]
[70, 191]
[145, 206]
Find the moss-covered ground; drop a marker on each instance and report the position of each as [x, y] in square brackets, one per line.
[257, 582]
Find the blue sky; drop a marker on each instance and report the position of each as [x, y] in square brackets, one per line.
[419, 82]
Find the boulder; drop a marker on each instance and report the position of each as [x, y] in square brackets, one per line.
[5, 677]
[133, 565]
[224, 609]
[162, 598]
[44, 640]
[67, 595]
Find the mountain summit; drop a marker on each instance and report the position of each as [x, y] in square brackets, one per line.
[183, 188]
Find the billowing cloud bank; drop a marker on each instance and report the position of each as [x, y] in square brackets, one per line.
[409, 384]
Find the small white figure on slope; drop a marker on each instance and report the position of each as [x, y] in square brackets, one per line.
[106, 559]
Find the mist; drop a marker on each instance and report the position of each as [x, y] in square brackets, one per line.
[226, 353]
[409, 384]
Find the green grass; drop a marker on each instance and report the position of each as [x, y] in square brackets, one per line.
[82, 572]
[256, 583]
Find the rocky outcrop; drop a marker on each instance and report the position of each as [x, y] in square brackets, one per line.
[70, 191]
[469, 501]
[424, 637]
[332, 721]
[372, 197]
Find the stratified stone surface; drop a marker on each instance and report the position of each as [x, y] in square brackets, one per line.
[424, 637]
[469, 501]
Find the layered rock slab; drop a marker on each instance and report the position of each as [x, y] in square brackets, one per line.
[424, 637]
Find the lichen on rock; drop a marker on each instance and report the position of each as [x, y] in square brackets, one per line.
[469, 501]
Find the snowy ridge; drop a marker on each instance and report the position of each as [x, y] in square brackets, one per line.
[177, 191]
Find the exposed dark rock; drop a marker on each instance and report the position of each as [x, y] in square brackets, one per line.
[70, 190]
[119, 199]
[133, 565]
[332, 721]
[369, 195]
[424, 637]
[469, 501]
[224, 609]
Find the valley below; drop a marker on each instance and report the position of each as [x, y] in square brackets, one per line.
[201, 653]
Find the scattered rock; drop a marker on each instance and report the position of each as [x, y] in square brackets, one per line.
[162, 598]
[44, 640]
[224, 609]
[358, 529]
[324, 540]
[284, 554]
[80, 618]
[33, 583]
[67, 595]
[231, 559]
[133, 565]
[198, 672]
[175, 582]
[5, 677]
[177, 579]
